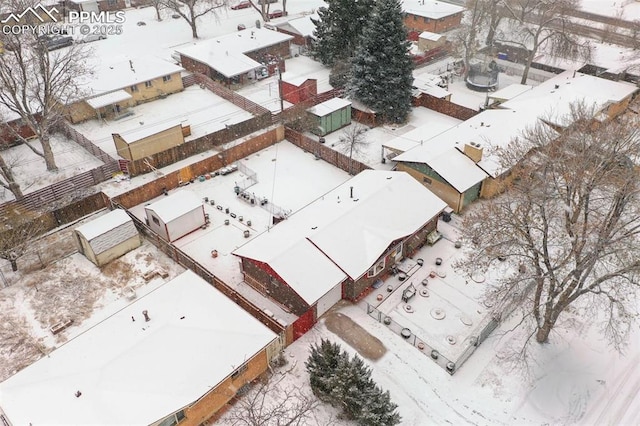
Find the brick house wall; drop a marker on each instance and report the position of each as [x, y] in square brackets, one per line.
[281, 50]
[422, 23]
[265, 280]
[353, 290]
[111, 5]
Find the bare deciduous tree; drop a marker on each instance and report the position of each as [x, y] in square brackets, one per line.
[36, 84]
[568, 227]
[271, 403]
[465, 38]
[353, 140]
[536, 25]
[19, 229]
[7, 178]
[191, 10]
[158, 6]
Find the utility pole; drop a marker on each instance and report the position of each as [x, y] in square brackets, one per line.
[280, 87]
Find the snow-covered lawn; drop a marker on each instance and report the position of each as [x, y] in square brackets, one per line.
[55, 283]
[31, 172]
[204, 111]
[625, 9]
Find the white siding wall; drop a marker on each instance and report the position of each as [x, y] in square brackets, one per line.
[186, 223]
[157, 228]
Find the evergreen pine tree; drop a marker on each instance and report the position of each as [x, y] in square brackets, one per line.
[322, 365]
[349, 381]
[381, 74]
[379, 410]
[339, 28]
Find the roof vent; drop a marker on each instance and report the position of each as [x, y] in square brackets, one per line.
[146, 315]
[77, 394]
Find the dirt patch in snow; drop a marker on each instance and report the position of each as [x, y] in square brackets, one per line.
[357, 337]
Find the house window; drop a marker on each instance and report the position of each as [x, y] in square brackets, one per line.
[239, 371]
[173, 419]
[148, 84]
[112, 2]
[426, 20]
[134, 88]
[376, 269]
[166, 78]
[155, 220]
[396, 253]
[426, 180]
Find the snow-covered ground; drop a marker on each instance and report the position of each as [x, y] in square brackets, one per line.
[626, 9]
[31, 172]
[204, 111]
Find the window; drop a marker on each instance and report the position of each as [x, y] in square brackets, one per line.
[134, 88]
[426, 180]
[173, 419]
[426, 20]
[376, 269]
[166, 78]
[148, 84]
[155, 220]
[396, 253]
[239, 371]
[112, 2]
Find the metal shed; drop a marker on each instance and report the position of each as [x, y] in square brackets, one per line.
[332, 115]
[107, 237]
[176, 215]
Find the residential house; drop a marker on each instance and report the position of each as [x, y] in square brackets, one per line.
[341, 244]
[331, 115]
[437, 166]
[149, 140]
[10, 125]
[237, 58]
[107, 237]
[176, 215]
[301, 29]
[431, 15]
[177, 354]
[113, 88]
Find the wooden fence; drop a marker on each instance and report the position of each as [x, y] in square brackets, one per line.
[188, 262]
[322, 151]
[67, 190]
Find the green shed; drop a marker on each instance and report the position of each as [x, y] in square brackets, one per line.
[331, 115]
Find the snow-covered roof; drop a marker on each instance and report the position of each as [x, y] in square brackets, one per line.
[137, 372]
[430, 8]
[426, 83]
[108, 99]
[121, 75]
[509, 92]
[104, 224]
[328, 107]
[226, 54]
[352, 232]
[134, 135]
[427, 35]
[302, 26]
[457, 169]
[175, 205]
[551, 101]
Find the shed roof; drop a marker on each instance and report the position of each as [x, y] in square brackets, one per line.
[328, 107]
[352, 232]
[431, 8]
[457, 169]
[227, 54]
[427, 35]
[137, 372]
[104, 224]
[510, 92]
[175, 205]
[302, 26]
[134, 135]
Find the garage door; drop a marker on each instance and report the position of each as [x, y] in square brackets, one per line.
[328, 300]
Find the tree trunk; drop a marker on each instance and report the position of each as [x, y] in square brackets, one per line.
[7, 175]
[542, 335]
[527, 67]
[158, 17]
[194, 30]
[14, 264]
[47, 152]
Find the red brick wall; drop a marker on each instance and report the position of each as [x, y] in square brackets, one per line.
[420, 23]
[194, 66]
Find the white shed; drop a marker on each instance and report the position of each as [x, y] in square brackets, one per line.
[107, 237]
[176, 215]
